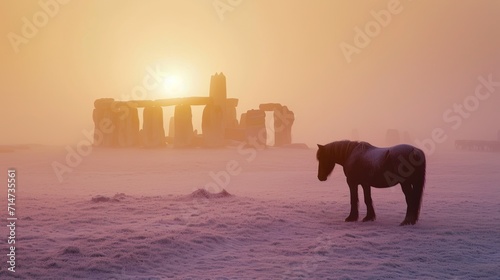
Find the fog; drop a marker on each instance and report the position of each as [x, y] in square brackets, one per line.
[420, 61]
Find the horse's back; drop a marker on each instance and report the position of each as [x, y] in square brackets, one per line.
[371, 164]
[404, 149]
[368, 152]
[401, 149]
[399, 152]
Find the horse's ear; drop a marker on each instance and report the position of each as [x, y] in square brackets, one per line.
[320, 146]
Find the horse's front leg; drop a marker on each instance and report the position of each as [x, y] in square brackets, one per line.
[353, 216]
[370, 212]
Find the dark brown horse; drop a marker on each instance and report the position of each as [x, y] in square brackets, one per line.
[370, 166]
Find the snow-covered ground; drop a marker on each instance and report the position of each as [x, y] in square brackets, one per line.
[140, 214]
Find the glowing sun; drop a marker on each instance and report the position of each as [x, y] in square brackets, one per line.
[174, 86]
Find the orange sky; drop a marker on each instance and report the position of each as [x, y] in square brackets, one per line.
[427, 58]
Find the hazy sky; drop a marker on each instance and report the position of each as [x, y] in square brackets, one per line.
[425, 58]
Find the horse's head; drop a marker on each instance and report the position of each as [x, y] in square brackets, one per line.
[326, 163]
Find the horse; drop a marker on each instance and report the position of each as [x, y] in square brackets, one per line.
[370, 166]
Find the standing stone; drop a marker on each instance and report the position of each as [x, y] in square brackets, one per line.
[127, 124]
[105, 123]
[255, 123]
[218, 94]
[283, 121]
[212, 126]
[231, 116]
[243, 121]
[270, 107]
[133, 137]
[153, 133]
[183, 123]
[237, 133]
[218, 91]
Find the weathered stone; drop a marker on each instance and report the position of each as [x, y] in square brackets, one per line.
[128, 126]
[243, 121]
[212, 126]
[183, 123]
[103, 103]
[121, 122]
[153, 133]
[184, 101]
[283, 121]
[218, 89]
[270, 107]
[255, 128]
[105, 120]
[142, 103]
[231, 117]
[232, 102]
[218, 93]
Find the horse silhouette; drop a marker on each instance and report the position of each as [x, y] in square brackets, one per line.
[370, 166]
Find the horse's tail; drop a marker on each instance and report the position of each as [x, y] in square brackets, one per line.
[419, 184]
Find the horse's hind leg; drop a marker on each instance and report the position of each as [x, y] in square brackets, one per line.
[410, 218]
[370, 212]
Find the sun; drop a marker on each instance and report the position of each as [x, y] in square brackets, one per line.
[174, 86]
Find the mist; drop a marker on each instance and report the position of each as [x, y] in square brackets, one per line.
[413, 65]
[89, 195]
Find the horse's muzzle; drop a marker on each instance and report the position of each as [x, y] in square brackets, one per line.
[322, 179]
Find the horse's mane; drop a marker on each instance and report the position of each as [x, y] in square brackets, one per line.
[340, 150]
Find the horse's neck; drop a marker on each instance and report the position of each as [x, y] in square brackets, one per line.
[342, 150]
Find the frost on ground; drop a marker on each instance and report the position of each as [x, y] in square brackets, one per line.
[145, 214]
